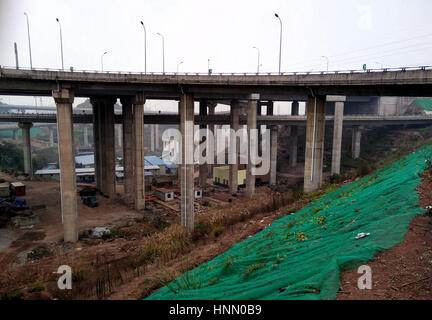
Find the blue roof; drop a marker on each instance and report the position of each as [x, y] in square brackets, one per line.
[156, 161]
[85, 160]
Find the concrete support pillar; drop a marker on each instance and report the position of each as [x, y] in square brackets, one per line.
[251, 124]
[203, 167]
[119, 135]
[26, 144]
[293, 147]
[64, 99]
[294, 137]
[186, 173]
[356, 141]
[128, 155]
[260, 141]
[152, 138]
[97, 147]
[270, 108]
[273, 155]
[157, 137]
[138, 127]
[234, 141]
[15, 135]
[103, 117]
[51, 136]
[295, 108]
[315, 128]
[86, 136]
[109, 153]
[211, 127]
[337, 137]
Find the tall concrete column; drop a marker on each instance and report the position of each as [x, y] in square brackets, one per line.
[315, 128]
[293, 147]
[128, 149]
[295, 108]
[103, 109]
[157, 137]
[110, 148]
[15, 135]
[211, 128]
[203, 167]
[233, 168]
[251, 124]
[64, 99]
[97, 147]
[86, 135]
[119, 135]
[337, 136]
[26, 144]
[152, 138]
[356, 141]
[138, 126]
[270, 108]
[273, 155]
[51, 136]
[186, 173]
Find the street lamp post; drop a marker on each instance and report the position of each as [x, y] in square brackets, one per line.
[258, 67]
[145, 48]
[102, 59]
[325, 57]
[163, 52]
[280, 42]
[28, 34]
[61, 42]
[178, 65]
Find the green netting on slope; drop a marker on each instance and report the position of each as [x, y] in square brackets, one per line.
[424, 103]
[300, 256]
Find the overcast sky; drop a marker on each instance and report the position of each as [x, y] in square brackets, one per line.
[350, 33]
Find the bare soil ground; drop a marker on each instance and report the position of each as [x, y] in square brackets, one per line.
[405, 271]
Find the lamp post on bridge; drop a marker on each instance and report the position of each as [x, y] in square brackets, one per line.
[280, 42]
[163, 52]
[145, 47]
[327, 59]
[258, 67]
[61, 42]
[178, 65]
[28, 35]
[102, 59]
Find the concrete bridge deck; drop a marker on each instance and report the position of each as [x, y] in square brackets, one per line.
[224, 119]
[292, 87]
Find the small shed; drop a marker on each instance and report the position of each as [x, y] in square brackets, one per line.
[164, 194]
[198, 193]
[4, 190]
[18, 189]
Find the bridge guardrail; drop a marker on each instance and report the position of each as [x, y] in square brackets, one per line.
[288, 73]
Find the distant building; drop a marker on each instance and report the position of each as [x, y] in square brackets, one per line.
[221, 176]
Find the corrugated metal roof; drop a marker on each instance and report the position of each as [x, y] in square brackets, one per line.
[85, 160]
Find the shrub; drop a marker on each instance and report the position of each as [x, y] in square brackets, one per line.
[217, 231]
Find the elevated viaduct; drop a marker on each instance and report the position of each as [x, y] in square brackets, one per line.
[245, 93]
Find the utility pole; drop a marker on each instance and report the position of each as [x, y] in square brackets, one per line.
[28, 34]
[16, 55]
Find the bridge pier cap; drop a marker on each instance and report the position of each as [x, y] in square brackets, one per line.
[336, 98]
[63, 96]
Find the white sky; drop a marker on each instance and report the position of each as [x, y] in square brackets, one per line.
[393, 33]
